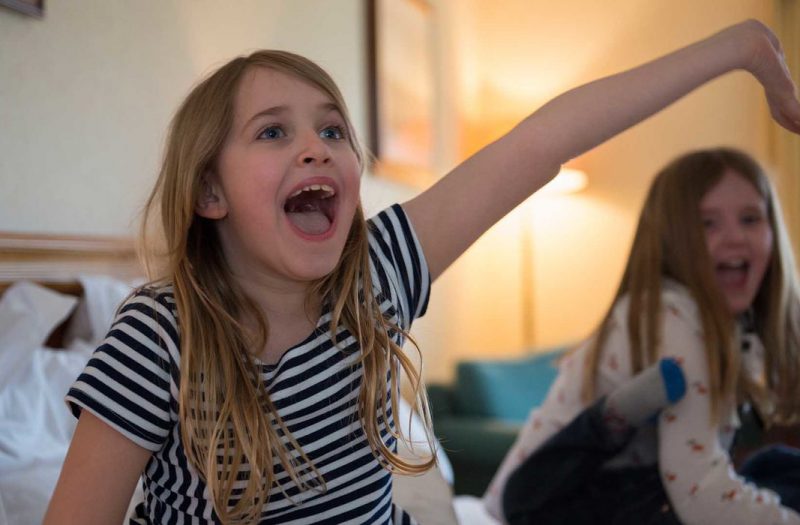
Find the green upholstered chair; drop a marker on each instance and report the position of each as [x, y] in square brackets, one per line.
[478, 417]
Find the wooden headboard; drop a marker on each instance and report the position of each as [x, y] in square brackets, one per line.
[56, 261]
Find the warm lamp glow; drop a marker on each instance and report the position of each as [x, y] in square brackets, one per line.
[567, 181]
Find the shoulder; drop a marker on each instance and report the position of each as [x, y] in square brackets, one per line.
[394, 243]
[677, 304]
[398, 268]
[148, 320]
[162, 293]
[390, 222]
[155, 299]
[675, 295]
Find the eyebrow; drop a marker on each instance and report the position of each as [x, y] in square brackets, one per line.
[326, 107]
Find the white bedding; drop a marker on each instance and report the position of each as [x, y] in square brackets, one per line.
[35, 425]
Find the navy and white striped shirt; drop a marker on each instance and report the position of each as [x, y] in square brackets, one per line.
[132, 381]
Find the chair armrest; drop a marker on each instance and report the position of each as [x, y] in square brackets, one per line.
[442, 400]
[476, 447]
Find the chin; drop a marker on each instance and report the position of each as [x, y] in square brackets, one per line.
[739, 306]
[318, 269]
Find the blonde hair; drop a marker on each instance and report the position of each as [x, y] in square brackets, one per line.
[670, 242]
[224, 407]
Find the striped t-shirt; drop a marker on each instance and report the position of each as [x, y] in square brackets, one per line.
[131, 383]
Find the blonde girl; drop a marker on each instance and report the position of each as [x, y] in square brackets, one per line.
[711, 284]
[255, 379]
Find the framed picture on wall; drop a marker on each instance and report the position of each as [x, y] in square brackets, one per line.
[402, 89]
[29, 7]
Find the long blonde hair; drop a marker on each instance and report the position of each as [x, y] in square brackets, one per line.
[670, 242]
[224, 407]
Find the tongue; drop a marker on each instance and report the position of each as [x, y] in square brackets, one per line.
[310, 222]
[732, 277]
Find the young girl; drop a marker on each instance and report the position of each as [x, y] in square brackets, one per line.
[711, 284]
[256, 379]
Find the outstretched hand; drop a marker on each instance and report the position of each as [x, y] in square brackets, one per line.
[767, 63]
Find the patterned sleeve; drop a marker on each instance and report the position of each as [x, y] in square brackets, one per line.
[559, 408]
[695, 469]
[128, 381]
[399, 270]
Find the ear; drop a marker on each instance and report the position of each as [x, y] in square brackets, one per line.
[211, 202]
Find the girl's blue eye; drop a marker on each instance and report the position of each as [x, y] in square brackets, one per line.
[332, 133]
[272, 133]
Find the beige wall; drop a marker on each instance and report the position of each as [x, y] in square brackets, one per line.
[86, 93]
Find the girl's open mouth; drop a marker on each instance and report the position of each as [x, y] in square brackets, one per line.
[732, 274]
[311, 209]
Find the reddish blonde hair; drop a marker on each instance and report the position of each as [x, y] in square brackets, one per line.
[670, 242]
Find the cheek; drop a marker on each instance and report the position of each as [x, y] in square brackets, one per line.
[712, 241]
[353, 170]
[767, 245]
[351, 173]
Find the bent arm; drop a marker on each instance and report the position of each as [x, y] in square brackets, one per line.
[696, 471]
[459, 208]
[99, 476]
[559, 408]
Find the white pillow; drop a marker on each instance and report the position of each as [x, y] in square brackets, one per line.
[28, 314]
[102, 295]
[35, 425]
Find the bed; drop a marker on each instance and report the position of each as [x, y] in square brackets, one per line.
[58, 295]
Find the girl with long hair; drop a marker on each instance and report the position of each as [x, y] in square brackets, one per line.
[255, 379]
[710, 290]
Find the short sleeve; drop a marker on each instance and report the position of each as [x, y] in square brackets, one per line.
[399, 270]
[128, 382]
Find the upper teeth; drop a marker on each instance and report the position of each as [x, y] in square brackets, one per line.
[316, 187]
[735, 263]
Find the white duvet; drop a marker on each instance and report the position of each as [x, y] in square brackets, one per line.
[35, 424]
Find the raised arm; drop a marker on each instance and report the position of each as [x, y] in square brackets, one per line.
[459, 208]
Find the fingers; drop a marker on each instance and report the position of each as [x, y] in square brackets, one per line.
[769, 66]
[764, 58]
[788, 116]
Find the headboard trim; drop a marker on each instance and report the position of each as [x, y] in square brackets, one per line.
[58, 260]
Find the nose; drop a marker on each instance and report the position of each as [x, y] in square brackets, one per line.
[313, 150]
[734, 234]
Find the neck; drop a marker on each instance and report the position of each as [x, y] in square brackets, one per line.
[282, 301]
[291, 316]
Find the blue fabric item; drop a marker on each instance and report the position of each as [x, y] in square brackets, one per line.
[505, 389]
[572, 487]
[776, 467]
[674, 382]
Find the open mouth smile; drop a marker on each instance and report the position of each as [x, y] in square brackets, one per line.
[311, 210]
[732, 273]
